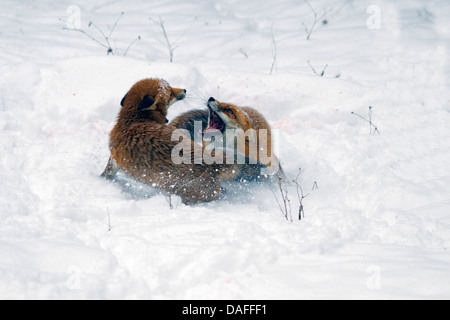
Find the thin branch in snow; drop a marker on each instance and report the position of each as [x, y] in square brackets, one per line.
[115, 25]
[86, 34]
[131, 44]
[301, 195]
[274, 51]
[370, 118]
[371, 124]
[169, 200]
[317, 18]
[106, 37]
[109, 220]
[314, 70]
[106, 43]
[171, 46]
[285, 207]
[242, 50]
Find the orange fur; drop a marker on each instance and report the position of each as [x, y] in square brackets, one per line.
[239, 118]
[141, 145]
[251, 124]
[246, 118]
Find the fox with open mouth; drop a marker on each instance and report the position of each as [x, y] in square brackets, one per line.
[239, 128]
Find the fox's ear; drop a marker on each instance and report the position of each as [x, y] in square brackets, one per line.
[123, 100]
[147, 104]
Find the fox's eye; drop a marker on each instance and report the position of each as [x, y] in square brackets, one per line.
[230, 113]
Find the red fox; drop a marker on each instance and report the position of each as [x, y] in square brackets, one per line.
[141, 145]
[236, 125]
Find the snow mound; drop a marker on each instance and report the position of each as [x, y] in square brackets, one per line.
[378, 226]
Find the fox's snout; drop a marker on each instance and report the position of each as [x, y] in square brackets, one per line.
[181, 94]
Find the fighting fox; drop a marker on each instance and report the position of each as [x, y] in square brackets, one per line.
[141, 145]
[242, 129]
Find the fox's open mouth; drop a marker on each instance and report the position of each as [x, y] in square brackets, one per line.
[215, 122]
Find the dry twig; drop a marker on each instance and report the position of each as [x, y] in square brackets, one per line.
[301, 195]
[317, 18]
[314, 70]
[106, 43]
[171, 46]
[371, 124]
[274, 52]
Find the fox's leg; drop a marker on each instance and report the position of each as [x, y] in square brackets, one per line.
[208, 190]
[111, 169]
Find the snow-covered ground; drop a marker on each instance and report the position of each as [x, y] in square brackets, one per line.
[378, 226]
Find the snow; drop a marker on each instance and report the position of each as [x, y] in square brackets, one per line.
[378, 226]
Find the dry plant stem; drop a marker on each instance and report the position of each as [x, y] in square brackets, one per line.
[109, 220]
[274, 52]
[285, 207]
[106, 37]
[170, 46]
[317, 18]
[169, 201]
[131, 44]
[314, 70]
[242, 50]
[301, 195]
[107, 44]
[87, 35]
[371, 124]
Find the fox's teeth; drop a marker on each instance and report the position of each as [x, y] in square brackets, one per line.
[215, 123]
